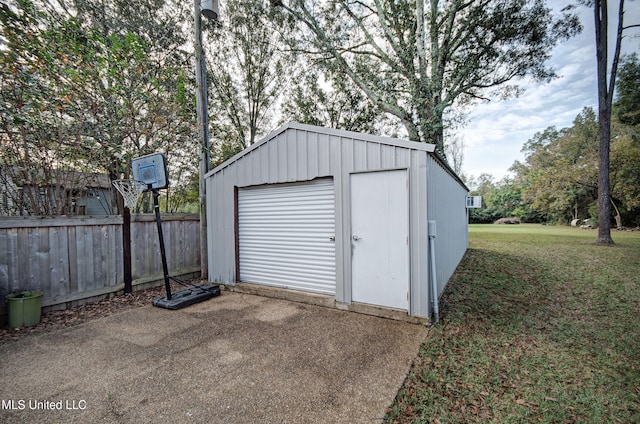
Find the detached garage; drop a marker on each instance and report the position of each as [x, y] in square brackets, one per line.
[339, 215]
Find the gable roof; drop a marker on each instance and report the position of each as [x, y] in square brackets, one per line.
[328, 131]
[390, 141]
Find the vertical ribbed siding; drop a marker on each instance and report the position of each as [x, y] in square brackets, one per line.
[447, 206]
[285, 236]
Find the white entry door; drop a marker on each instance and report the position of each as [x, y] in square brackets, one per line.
[380, 238]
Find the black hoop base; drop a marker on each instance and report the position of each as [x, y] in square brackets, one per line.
[187, 297]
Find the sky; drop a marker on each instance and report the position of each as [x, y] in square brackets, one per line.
[497, 130]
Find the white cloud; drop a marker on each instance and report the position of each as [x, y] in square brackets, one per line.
[497, 130]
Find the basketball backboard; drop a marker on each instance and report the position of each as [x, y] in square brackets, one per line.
[151, 170]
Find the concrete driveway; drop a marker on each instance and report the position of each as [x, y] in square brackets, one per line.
[236, 358]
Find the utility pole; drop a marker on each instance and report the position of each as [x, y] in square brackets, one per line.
[208, 8]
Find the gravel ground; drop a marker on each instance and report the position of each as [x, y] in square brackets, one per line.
[55, 320]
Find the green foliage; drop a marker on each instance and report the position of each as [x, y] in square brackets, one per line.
[42, 119]
[500, 200]
[226, 149]
[336, 103]
[84, 92]
[247, 71]
[184, 197]
[559, 178]
[628, 91]
[625, 171]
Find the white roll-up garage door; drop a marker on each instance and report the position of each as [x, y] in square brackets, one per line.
[286, 236]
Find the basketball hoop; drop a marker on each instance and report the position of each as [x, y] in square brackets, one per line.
[130, 191]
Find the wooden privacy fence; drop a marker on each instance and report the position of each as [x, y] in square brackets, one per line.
[71, 259]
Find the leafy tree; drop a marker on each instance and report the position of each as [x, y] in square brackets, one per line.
[628, 91]
[84, 96]
[158, 23]
[499, 200]
[335, 103]
[184, 197]
[625, 172]
[247, 72]
[137, 105]
[560, 175]
[44, 162]
[561, 169]
[482, 186]
[140, 102]
[606, 78]
[415, 59]
[625, 149]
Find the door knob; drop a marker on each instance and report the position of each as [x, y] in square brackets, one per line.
[355, 237]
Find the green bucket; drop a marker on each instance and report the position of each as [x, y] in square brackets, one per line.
[24, 308]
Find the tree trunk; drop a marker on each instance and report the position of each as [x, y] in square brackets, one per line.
[604, 123]
[618, 216]
[604, 192]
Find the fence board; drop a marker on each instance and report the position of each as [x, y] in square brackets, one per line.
[73, 254]
[83, 239]
[74, 258]
[59, 253]
[23, 252]
[44, 264]
[114, 250]
[5, 248]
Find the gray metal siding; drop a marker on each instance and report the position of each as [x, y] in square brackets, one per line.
[447, 206]
[418, 221]
[281, 160]
[302, 153]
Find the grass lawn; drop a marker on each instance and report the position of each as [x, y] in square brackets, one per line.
[538, 324]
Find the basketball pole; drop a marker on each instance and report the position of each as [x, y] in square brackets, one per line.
[194, 293]
[163, 254]
[150, 174]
